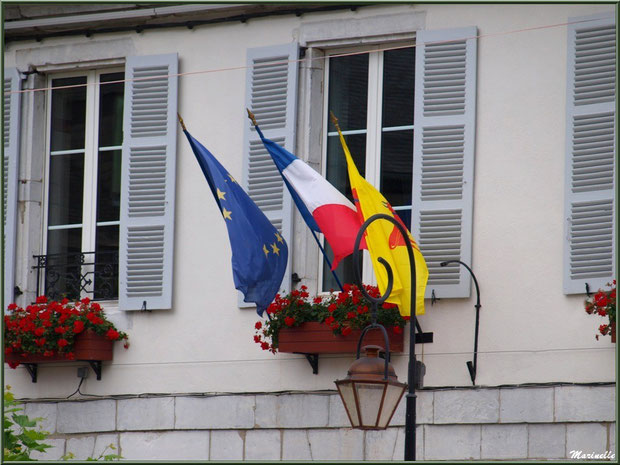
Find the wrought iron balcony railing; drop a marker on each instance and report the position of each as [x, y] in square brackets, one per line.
[78, 275]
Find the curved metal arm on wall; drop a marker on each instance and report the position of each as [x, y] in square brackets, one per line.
[472, 367]
[410, 416]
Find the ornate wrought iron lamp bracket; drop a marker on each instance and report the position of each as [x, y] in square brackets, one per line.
[410, 416]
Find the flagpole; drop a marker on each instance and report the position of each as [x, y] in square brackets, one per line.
[253, 119]
[329, 263]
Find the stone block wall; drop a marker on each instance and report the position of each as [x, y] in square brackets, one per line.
[545, 422]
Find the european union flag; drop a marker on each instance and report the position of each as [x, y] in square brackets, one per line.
[259, 253]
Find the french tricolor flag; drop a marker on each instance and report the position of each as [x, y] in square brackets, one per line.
[324, 208]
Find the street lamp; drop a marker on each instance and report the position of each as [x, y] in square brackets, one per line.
[370, 392]
[371, 397]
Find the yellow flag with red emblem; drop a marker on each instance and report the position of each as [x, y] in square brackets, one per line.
[385, 240]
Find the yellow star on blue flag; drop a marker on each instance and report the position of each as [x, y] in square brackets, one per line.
[257, 271]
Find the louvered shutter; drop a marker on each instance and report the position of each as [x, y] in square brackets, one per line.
[271, 93]
[590, 147]
[443, 166]
[148, 183]
[10, 160]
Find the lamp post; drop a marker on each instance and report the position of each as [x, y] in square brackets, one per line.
[356, 400]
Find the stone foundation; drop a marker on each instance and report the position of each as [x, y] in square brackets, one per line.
[539, 422]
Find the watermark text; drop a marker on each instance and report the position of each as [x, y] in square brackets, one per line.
[579, 454]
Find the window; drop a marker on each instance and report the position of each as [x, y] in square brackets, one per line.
[84, 185]
[372, 95]
[409, 115]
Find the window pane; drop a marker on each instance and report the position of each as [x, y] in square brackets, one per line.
[405, 216]
[397, 166]
[398, 85]
[106, 268]
[68, 114]
[109, 185]
[337, 173]
[348, 91]
[348, 99]
[62, 272]
[111, 110]
[66, 189]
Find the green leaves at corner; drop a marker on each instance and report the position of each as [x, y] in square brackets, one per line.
[24, 421]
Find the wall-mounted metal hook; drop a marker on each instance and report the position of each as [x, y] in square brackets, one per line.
[471, 367]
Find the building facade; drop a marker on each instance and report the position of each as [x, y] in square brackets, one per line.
[489, 128]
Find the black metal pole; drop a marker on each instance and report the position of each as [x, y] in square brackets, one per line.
[410, 412]
[472, 367]
[411, 398]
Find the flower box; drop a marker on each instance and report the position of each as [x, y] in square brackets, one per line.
[318, 338]
[88, 346]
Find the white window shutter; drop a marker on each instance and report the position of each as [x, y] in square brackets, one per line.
[271, 94]
[12, 103]
[443, 166]
[148, 183]
[589, 240]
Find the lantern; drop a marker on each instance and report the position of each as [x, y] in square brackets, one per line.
[370, 392]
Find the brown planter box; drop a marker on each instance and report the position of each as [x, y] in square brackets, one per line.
[88, 346]
[317, 338]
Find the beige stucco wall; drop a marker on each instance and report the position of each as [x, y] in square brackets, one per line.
[529, 331]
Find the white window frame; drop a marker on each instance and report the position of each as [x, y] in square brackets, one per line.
[91, 159]
[374, 118]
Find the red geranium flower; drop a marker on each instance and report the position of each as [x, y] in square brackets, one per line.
[41, 299]
[39, 332]
[62, 342]
[258, 325]
[78, 326]
[94, 319]
[332, 307]
[264, 345]
[40, 342]
[289, 321]
[600, 299]
[60, 330]
[112, 334]
[12, 306]
[346, 330]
